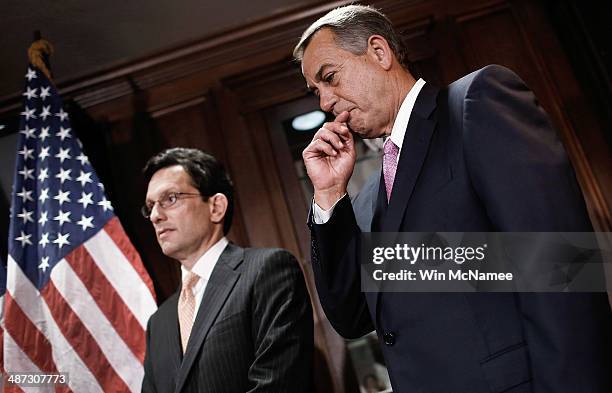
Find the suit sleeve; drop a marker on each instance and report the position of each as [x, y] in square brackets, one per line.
[522, 174]
[336, 266]
[282, 327]
[148, 386]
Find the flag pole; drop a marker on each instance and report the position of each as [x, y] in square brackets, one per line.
[39, 54]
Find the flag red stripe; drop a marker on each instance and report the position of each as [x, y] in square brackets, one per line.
[12, 389]
[81, 340]
[114, 229]
[27, 336]
[1, 348]
[109, 301]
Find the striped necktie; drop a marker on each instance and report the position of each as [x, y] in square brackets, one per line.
[186, 307]
[390, 150]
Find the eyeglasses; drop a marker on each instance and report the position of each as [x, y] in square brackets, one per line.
[165, 202]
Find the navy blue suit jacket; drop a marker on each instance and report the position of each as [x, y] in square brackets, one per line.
[479, 155]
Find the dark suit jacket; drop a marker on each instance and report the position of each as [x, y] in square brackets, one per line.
[253, 331]
[479, 155]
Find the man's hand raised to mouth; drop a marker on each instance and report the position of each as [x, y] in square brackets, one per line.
[330, 160]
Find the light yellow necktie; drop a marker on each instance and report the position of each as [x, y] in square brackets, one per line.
[186, 307]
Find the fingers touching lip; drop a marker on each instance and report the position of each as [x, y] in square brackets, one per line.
[337, 113]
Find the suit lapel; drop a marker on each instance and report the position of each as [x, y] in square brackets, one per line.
[218, 289]
[414, 150]
[173, 331]
[379, 203]
[388, 216]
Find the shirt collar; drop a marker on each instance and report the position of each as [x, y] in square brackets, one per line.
[206, 263]
[403, 116]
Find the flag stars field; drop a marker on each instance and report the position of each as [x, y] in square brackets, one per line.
[42, 220]
[28, 132]
[44, 195]
[62, 115]
[62, 217]
[44, 264]
[63, 133]
[29, 113]
[84, 177]
[62, 197]
[44, 239]
[30, 93]
[44, 153]
[63, 175]
[24, 239]
[62, 239]
[46, 111]
[63, 154]
[44, 92]
[43, 174]
[30, 75]
[25, 195]
[44, 133]
[86, 199]
[26, 153]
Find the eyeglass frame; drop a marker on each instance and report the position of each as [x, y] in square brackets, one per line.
[163, 202]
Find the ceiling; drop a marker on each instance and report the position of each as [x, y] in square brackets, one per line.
[92, 35]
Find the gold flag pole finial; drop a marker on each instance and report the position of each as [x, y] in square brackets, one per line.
[39, 53]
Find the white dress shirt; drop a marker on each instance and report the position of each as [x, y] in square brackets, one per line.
[203, 268]
[398, 131]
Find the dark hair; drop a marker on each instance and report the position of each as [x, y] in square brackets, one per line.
[352, 26]
[207, 175]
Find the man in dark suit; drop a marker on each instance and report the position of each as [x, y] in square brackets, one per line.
[242, 319]
[480, 155]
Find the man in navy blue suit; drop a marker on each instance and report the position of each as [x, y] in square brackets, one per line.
[479, 155]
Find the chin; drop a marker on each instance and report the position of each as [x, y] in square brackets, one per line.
[366, 134]
[168, 250]
[361, 131]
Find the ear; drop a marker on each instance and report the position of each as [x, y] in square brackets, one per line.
[380, 51]
[218, 206]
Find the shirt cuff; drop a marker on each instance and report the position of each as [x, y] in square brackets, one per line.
[320, 216]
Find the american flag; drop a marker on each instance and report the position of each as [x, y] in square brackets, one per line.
[77, 296]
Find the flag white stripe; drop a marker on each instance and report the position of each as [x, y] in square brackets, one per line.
[14, 355]
[122, 276]
[64, 356]
[117, 353]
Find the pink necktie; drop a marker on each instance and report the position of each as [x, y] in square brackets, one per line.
[389, 165]
[186, 307]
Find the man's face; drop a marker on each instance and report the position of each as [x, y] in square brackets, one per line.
[184, 229]
[344, 81]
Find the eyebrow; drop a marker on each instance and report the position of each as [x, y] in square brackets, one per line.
[161, 195]
[319, 75]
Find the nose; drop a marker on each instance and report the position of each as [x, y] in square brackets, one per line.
[327, 100]
[157, 214]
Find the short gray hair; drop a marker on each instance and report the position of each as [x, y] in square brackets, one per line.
[352, 26]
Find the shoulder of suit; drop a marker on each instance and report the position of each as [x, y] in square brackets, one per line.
[167, 307]
[484, 75]
[266, 254]
[269, 258]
